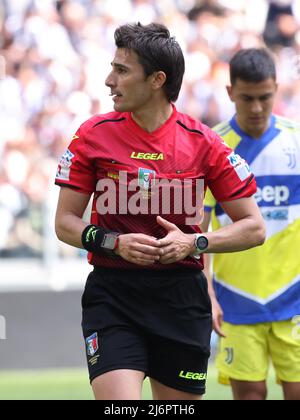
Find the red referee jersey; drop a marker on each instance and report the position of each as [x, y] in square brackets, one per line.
[135, 175]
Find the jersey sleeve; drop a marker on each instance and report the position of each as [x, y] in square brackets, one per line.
[229, 176]
[75, 169]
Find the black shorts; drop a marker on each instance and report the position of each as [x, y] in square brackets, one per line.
[159, 323]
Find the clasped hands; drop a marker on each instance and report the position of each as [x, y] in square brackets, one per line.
[145, 250]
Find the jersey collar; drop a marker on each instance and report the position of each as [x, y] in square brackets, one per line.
[159, 132]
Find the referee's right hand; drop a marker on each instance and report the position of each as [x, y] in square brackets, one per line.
[139, 249]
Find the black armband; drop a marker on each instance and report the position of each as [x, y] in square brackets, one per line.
[100, 241]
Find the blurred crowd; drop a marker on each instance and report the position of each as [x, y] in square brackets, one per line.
[55, 55]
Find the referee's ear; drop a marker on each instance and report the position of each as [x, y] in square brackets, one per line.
[158, 79]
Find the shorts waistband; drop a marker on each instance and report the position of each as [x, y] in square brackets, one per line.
[145, 272]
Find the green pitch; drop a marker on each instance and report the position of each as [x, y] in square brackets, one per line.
[73, 385]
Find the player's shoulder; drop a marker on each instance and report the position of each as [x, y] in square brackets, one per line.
[287, 125]
[228, 133]
[191, 125]
[222, 128]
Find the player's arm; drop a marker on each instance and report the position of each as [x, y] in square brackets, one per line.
[70, 228]
[207, 260]
[246, 231]
[68, 222]
[77, 178]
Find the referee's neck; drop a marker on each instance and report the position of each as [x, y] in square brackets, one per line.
[151, 117]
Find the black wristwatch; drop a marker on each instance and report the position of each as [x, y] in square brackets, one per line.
[201, 244]
[110, 241]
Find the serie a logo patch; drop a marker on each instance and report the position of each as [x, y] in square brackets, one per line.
[64, 167]
[240, 166]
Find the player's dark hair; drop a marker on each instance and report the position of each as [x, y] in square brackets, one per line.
[252, 65]
[157, 51]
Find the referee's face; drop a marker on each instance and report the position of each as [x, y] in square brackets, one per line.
[130, 88]
[254, 103]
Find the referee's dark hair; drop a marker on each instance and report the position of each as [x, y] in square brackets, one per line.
[157, 51]
[252, 65]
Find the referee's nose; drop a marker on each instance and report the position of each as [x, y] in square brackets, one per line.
[109, 82]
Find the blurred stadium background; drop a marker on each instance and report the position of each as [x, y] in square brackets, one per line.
[54, 57]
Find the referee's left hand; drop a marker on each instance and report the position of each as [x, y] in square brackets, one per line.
[176, 246]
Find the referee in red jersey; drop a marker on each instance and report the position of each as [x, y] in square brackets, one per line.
[146, 310]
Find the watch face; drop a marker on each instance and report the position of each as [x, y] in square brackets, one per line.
[109, 241]
[202, 243]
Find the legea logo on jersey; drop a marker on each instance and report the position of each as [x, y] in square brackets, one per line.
[147, 156]
[277, 195]
[2, 328]
[148, 195]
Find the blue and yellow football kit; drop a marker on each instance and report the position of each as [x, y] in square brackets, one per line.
[262, 285]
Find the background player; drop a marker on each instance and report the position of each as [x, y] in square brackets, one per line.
[258, 291]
